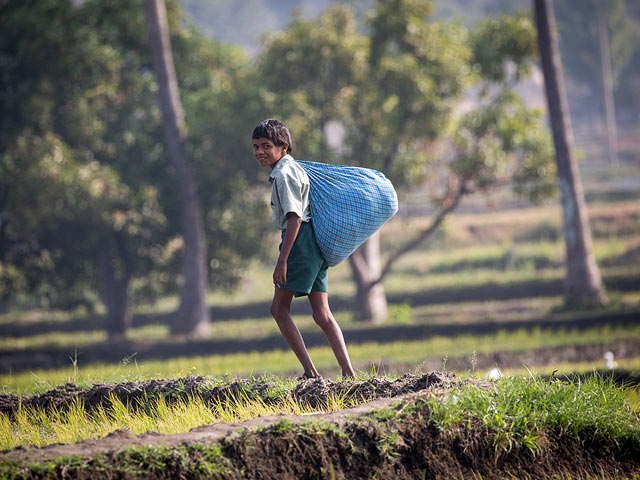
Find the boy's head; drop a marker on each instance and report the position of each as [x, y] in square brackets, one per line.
[275, 131]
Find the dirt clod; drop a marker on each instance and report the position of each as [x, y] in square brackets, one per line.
[317, 392]
[314, 392]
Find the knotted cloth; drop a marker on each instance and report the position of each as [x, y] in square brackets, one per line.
[348, 205]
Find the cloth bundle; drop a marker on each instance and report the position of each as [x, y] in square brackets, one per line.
[348, 205]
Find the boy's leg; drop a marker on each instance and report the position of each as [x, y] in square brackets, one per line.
[324, 318]
[281, 311]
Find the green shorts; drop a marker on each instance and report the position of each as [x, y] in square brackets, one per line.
[306, 267]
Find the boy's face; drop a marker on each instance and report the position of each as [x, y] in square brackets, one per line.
[267, 154]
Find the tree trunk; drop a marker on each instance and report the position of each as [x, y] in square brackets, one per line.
[583, 283]
[607, 91]
[371, 300]
[192, 316]
[115, 269]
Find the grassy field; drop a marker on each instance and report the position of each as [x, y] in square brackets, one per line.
[496, 269]
[403, 356]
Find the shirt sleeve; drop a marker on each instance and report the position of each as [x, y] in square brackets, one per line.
[289, 191]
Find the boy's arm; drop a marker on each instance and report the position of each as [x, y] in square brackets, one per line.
[293, 226]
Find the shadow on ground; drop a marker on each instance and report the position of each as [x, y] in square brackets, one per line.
[434, 296]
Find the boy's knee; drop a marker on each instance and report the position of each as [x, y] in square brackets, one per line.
[277, 310]
[323, 319]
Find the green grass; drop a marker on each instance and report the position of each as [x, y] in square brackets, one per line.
[518, 256]
[632, 392]
[471, 251]
[283, 362]
[629, 364]
[495, 311]
[195, 461]
[533, 224]
[37, 427]
[494, 248]
[81, 337]
[632, 397]
[515, 412]
[520, 410]
[518, 309]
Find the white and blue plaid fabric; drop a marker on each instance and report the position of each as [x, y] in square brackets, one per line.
[348, 205]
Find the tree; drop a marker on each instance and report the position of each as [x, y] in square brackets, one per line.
[583, 283]
[88, 208]
[63, 205]
[597, 40]
[418, 70]
[192, 316]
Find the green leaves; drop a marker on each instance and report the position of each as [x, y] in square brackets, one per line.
[504, 48]
[389, 91]
[82, 155]
[517, 411]
[504, 141]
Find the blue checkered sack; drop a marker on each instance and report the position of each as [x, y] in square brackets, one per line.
[348, 205]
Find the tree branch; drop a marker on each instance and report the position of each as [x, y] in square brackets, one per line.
[450, 203]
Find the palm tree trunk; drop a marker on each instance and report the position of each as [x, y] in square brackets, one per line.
[607, 91]
[583, 283]
[192, 316]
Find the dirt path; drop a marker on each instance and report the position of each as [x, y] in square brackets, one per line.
[121, 439]
[313, 391]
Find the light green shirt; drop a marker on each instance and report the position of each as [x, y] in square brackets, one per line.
[289, 192]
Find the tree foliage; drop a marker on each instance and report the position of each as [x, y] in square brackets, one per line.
[393, 92]
[82, 155]
[64, 125]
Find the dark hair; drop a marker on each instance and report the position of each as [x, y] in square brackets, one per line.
[273, 130]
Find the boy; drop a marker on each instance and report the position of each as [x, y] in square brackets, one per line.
[301, 269]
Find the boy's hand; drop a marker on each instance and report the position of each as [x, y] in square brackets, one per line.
[280, 273]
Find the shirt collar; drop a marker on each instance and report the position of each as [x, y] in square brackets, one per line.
[281, 163]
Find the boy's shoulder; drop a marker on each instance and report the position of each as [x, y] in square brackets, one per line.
[288, 169]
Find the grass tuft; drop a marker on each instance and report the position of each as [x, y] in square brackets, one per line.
[520, 410]
[37, 427]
